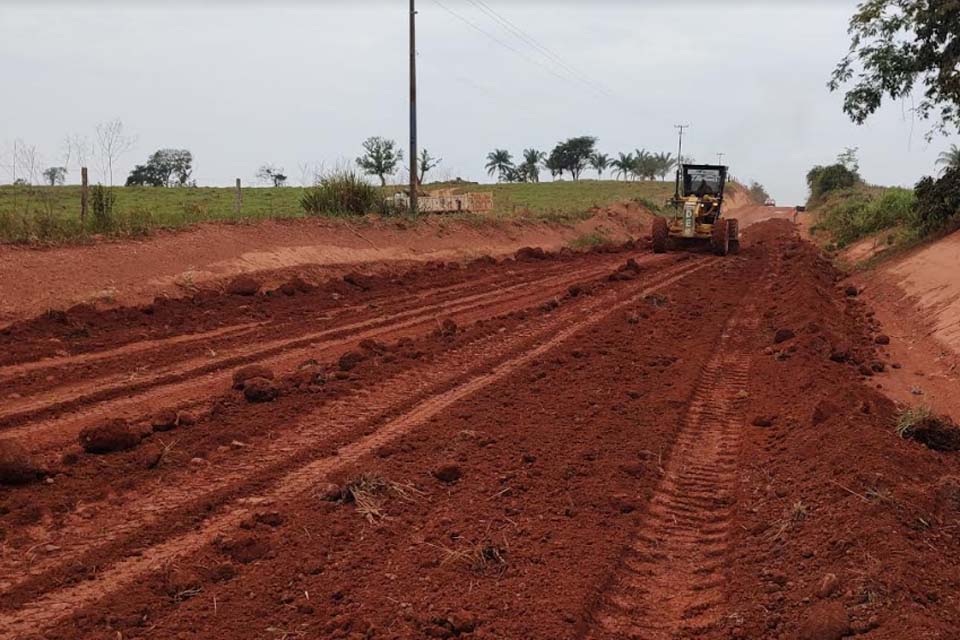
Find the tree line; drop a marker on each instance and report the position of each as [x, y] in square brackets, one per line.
[576, 155]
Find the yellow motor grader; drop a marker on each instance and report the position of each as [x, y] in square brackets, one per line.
[697, 212]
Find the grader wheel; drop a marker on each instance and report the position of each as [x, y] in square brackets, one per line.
[720, 238]
[661, 234]
[733, 227]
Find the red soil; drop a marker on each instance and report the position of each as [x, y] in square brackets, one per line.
[523, 449]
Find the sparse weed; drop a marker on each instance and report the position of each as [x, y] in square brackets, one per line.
[477, 558]
[370, 492]
[589, 240]
[909, 418]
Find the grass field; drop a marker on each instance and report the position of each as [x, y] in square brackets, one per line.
[39, 215]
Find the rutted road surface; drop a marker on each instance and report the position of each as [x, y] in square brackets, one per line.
[557, 446]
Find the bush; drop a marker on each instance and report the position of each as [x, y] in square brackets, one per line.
[938, 201]
[102, 200]
[855, 214]
[342, 192]
[835, 177]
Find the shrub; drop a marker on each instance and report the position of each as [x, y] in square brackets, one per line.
[852, 215]
[341, 192]
[835, 177]
[102, 200]
[938, 201]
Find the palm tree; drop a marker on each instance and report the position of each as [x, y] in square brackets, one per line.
[599, 161]
[532, 159]
[499, 161]
[664, 163]
[950, 159]
[623, 164]
[644, 165]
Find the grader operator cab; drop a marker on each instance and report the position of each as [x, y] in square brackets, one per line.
[697, 212]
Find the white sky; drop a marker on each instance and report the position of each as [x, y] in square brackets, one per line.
[244, 83]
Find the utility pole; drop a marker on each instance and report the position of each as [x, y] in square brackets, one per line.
[720, 158]
[680, 128]
[413, 108]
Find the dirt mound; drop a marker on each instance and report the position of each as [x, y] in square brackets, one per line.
[260, 390]
[825, 621]
[16, 464]
[526, 254]
[240, 376]
[244, 285]
[107, 437]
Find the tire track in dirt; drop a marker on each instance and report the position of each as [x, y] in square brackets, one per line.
[10, 373]
[54, 607]
[670, 584]
[187, 388]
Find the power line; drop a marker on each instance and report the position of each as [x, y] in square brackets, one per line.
[531, 41]
[500, 42]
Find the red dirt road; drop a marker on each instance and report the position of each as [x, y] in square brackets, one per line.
[569, 447]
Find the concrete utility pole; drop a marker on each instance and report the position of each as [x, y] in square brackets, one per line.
[720, 158]
[680, 128]
[413, 107]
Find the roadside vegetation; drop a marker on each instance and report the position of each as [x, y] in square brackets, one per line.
[849, 209]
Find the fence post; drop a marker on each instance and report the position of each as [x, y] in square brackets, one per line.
[84, 195]
[238, 199]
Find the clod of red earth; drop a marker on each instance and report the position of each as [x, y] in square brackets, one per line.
[329, 492]
[165, 420]
[482, 261]
[882, 339]
[631, 265]
[865, 371]
[296, 285]
[828, 585]
[16, 464]
[269, 518]
[574, 290]
[107, 437]
[350, 360]
[451, 626]
[447, 472]
[150, 456]
[826, 620]
[840, 352]
[823, 411]
[764, 421]
[448, 327]
[622, 276]
[245, 548]
[852, 291]
[260, 390]
[373, 346]
[243, 286]
[939, 433]
[308, 375]
[946, 493]
[362, 282]
[240, 376]
[782, 335]
[526, 254]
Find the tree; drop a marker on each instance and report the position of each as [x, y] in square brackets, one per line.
[599, 162]
[899, 45]
[55, 175]
[848, 158]
[664, 164]
[426, 162]
[270, 173]
[112, 142]
[624, 164]
[938, 201]
[573, 154]
[553, 165]
[380, 158]
[757, 192]
[823, 180]
[164, 168]
[532, 159]
[499, 161]
[950, 159]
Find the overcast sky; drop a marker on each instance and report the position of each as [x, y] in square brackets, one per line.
[244, 83]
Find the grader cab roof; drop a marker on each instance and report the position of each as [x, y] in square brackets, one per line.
[704, 180]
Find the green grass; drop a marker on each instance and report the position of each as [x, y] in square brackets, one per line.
[852, 214]
[51, 215]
